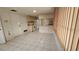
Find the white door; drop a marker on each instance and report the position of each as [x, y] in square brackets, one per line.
[2, 37]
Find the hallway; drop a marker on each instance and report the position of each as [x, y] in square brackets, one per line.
[26, 28]
[32, 41]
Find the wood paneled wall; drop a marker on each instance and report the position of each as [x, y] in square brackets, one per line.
[64, 25]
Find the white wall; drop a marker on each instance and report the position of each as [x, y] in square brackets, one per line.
[46, 29]
[44, 26]
[14, 24]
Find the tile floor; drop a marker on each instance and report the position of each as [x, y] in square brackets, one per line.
[32, 41]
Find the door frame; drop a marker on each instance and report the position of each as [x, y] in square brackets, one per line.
[3, 29]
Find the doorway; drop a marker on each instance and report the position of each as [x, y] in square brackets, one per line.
[2, 37]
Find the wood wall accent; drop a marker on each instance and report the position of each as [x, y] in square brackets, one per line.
[75, 42]
[65, 20]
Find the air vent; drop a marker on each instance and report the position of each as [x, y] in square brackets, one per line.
[13, 10]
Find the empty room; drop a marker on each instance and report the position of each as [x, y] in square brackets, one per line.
[39, 29]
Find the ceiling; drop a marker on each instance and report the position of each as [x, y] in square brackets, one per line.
[28, 10]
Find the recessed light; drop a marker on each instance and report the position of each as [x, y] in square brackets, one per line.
[34, 11]
[13, 10]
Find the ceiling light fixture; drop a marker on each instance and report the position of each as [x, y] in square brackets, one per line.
[34, 11]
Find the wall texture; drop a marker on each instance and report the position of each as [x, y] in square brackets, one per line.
[64, 25]
[13, 24]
